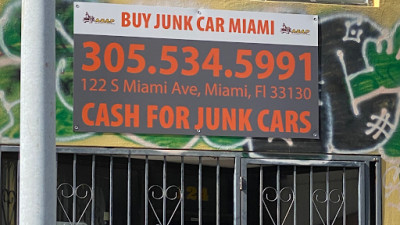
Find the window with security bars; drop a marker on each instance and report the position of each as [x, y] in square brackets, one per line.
[148, 187]
[145, 189]
[320, 195]
[9, 188]
[311, 192]
[342, 2]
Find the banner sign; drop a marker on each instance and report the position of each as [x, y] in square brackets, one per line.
[165, 70]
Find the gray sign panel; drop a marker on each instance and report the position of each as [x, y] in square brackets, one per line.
[169, 86]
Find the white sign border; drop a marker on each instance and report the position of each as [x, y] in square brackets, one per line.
[297, 22]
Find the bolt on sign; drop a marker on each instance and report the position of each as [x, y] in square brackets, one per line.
[166, 70]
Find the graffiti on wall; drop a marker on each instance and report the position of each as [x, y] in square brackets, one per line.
[361, 108]
[359, 83]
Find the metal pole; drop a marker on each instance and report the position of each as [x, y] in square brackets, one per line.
[38, 175]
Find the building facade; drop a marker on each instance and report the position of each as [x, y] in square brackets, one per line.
[349, 175]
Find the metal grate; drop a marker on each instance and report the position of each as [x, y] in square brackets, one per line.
[321, 192]
[145, 189]
[9, 188]
[309, 192]
[155, 187]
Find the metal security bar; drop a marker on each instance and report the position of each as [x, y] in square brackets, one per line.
[174, 188]
[9, 188]
[161, 187]
[280, 186]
